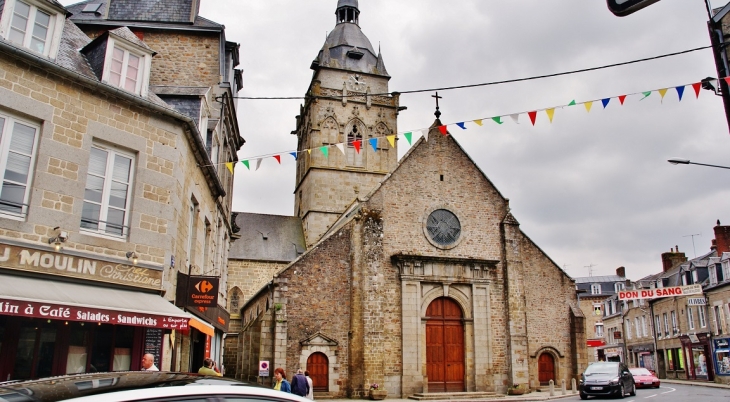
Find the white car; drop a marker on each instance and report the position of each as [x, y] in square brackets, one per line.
[202, 393]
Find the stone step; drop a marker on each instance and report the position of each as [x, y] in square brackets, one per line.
[453, 395]
[318, 396]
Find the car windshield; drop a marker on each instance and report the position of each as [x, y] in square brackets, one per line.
[640, 371]
[602, 368]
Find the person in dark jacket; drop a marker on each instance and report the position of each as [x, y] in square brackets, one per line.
[299, 384]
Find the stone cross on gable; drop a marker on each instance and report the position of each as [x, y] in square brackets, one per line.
[438, 113]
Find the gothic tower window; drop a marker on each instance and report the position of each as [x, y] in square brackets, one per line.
[355, 132]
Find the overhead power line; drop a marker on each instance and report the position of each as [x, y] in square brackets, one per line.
[484, 84]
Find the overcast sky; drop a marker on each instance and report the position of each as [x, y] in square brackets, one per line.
[590, 188]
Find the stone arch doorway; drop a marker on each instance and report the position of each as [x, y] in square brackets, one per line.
[445, 366]
[318, 367]
[546, 368]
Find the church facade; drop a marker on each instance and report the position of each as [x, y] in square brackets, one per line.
[416, 275]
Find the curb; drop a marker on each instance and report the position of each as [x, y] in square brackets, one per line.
[695, 383]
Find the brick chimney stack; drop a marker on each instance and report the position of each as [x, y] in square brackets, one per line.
[621, 272]
[722, 238]
[672, 258]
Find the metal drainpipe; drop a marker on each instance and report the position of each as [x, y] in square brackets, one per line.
[653, 326]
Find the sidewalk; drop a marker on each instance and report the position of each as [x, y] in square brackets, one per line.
[696, 383]
[533, 396]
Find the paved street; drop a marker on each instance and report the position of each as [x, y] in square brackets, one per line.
[674, 393]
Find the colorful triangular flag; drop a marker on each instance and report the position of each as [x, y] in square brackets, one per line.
[294, 154]
[391, 140]
[498, 119]
[278, 158]
[357, 144]
[443, 130]
[461, 125]
[425, 134]
[325, 151]
[662, 92]
[229, 165]
[572, 103]
[605, 102]
[588, 106]
[533, 116]
[478, 122]
[727, 80]
[646, 95]
[697, 86]
[680, 92]
[515, 117]
[622, 98]
[374, 143]
[341, 147]
[246, 164]
[258, 163]
[550, 113]
[408, 136]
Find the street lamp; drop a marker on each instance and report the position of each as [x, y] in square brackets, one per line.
[681, 161]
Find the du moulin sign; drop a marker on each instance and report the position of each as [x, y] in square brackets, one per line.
[660, 292]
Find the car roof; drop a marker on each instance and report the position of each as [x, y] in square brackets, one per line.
[78, 385]
[207, 391]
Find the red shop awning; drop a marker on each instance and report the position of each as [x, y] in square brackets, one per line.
[594, 343]
[39, 298]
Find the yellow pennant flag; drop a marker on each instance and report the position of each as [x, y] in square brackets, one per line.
[229, 165]
[310, 151]
[478, 122]
[391, 140]
[662, 92]
[588, 106]
[550, 113]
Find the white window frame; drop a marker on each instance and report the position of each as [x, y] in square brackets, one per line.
[106, 192]
[192, 214]
[618, 286]
[643, 326]
[717, 317]
[726, 269]
[596, 289]
[143, 75]
[638, 327]
[701, 314]
[628, 328]
[55, 25]
[690, 318]
[658, 325]
[599, 330]
[666, 325]
[675, 326]
[7, 130]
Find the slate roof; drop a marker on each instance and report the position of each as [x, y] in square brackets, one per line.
[183, 91]
[102, 17]
[599, 279]
[129, 36]
[284, 238]
[73, 39]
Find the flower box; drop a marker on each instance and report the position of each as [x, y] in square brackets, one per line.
[378, 394]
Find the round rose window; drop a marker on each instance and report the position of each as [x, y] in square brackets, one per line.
[443, 227]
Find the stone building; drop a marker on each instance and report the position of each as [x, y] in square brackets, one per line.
[114, 183]
[613, 322]
[593, 291]
[718, 304]
[416, 275]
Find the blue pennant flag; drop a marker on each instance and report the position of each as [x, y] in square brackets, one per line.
[605, 102]
[294, 154]
[461, 125]
[374, 144]
[680, 92]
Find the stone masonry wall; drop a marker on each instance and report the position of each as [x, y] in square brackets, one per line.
[251, 276]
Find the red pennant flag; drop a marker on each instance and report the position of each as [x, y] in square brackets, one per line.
[357, 145]
[622, 98]
[278, 158]
[533, 116]
[443, 130]
[697, 87]
[727, 80]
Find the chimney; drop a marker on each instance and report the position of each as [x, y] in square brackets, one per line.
[672, 258]
[621, 272]
[722, 239]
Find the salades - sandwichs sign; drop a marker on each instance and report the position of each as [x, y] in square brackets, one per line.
[50, 262]
[74, 313]
[660, 292]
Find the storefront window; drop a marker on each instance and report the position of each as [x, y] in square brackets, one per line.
[101, 348]
[123, 348]
[37, 340]
[700, 361]
[78, 349]
[722, 356]
[670, 360]
[46, 350]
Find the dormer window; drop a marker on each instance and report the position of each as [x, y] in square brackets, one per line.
[33, 25]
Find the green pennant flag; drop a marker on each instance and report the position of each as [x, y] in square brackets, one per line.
[325, 150]
[246, 163]
[572, 103]
[498, 119]
[646, 95]
[408, 137]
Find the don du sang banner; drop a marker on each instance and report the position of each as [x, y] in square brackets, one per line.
[660, 292]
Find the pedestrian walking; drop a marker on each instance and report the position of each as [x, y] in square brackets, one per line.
[281, 383]
[299, 384]
[310, 395]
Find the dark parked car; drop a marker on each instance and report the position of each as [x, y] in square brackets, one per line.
[607, 379]
[137, 385]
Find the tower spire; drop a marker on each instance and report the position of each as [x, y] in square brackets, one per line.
[347, 12]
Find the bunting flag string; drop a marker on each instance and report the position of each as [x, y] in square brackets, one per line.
[443, 129]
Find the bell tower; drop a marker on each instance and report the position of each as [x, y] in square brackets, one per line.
[345, 122]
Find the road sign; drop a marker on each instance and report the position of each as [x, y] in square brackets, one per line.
[263, 368]
[622, 8]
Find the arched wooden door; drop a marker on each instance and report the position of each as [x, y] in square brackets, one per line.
[318, 367]
[546, 368]
[445, 346]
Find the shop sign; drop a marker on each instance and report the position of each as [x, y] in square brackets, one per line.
[721, 343]
[203, 291]
[696, 301]
[693, 338]
[75, 266]
[85, 314]
[660, 292]
[616, 334]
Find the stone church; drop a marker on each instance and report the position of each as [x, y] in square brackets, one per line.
[411, 274]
